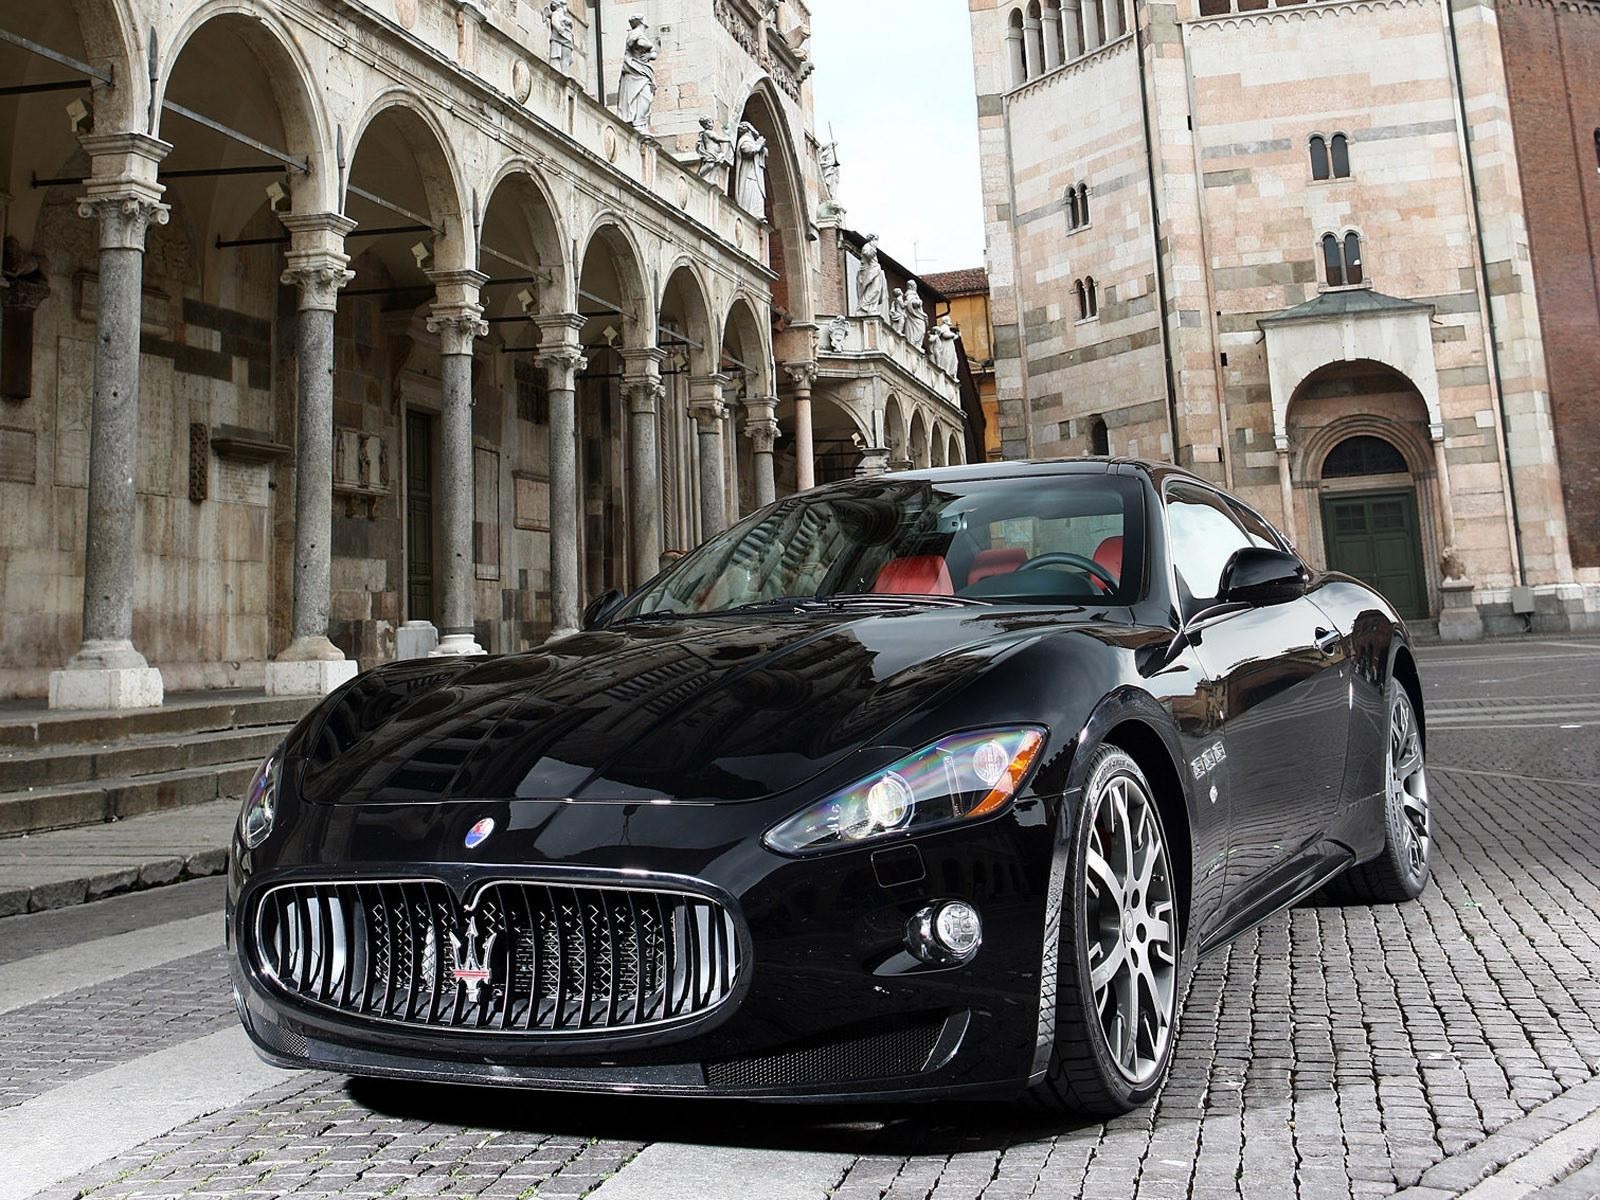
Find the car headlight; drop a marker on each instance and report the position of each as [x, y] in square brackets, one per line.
[261, 801]
[958, 778]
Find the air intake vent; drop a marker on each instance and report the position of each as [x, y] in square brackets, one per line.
[886, 1054]
[521, 958]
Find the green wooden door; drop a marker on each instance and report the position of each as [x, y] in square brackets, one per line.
[1374, 536]
[419, 516]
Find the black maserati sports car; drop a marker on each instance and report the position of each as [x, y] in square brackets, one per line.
[926, 785]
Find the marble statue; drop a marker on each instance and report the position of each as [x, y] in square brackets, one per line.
[897, 311]
[715, 150]
[872, 289]
[828, 159]
[636, 93]
[916, 316]
[750, 159]
[562, 40]
[942, 347]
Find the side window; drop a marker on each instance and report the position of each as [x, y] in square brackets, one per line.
[1259, 532]
[1204, 533]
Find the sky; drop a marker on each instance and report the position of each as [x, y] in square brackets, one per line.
[894, 78]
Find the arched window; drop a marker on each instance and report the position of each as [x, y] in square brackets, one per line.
[1339, 146]
[1090, 289]
[1014, 47]
[1352, 257]
[1073, 220]
[1363, 455]
[1083, 202]
[1319, 157]
[1341, 258]
[1083, 300]
[1099, 437]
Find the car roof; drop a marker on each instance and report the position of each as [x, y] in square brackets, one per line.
[1012, 468]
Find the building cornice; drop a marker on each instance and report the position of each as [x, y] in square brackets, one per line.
[1316, 10]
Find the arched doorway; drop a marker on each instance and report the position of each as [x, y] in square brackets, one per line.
[693, 351]
[1364, 480]
[1371, 528]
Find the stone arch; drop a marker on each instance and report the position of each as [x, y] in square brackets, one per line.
[894, 432]
[919, 440]
[620, 265]
[686, 299]
[111, 35]
[418, 136]
[1368, 398]
[786, 201]
[303, 124]
[953, 455]
[522, 229]
[745, 346]
[938, 450]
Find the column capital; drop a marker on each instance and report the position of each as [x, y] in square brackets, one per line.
[1280, 443]
[803, 374]
[121, 191]
[316, 261]
[760, 408]
[561, 329]
[641, 378]
[708, 413]
[562, 364]
[458, 327]
[761, 423]
[641, 361]
[1436, 432]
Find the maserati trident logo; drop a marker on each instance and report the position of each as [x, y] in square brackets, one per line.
[479, 833]
[472, 954]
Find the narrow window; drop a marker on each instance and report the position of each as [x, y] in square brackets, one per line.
[1072, 208]
[1099, 438]
[1083, 301]
[1319, 157]
[1341, 156]
[1332, 261]
[1597, 149]
[1094, 303]
[1019, 62]
[1352, 257]
[1083, 202]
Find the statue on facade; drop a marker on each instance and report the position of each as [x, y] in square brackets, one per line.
[750, 158]
[897, 311]
[872, 289]
[828, 161]
[942, 347]
[714, 150]
[636, 93]
[562, 40]
[916, 316]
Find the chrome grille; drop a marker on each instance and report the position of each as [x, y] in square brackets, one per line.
[520, 958]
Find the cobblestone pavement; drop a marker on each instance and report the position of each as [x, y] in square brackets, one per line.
[1425, 1049]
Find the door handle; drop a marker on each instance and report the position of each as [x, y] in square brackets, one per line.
[1328, 641]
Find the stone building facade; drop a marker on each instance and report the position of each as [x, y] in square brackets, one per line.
[336, 330]
[1335, 255]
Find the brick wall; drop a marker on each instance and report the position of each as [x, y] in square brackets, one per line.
[1552, 58]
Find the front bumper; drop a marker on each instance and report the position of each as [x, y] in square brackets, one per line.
[829, 1006]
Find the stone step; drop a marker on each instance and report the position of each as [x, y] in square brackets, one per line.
[86, 803]
[27, 726]
[135, 756]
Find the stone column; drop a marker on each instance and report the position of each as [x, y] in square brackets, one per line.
[317, 265]
[761, 427]
[1071, 28]
[708, 410]
[562, 360]
[1286, 489]
[641, 379]
[1447, 508]
[124, 199]
[1093, 35]
[1052, 38]
[804, 376]
[458, 320]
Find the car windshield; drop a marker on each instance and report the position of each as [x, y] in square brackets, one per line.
[1064, 539]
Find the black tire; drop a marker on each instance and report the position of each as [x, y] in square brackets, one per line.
[1401, 869]
[1084, 1074]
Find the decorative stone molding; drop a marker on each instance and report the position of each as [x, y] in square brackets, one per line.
[121, 191]
[739, 25]
[802, 374]
[562, 366]
[316, 262]
[761, 423]
[708, 413]
[458, 327]
[123, 219]
[641, 378]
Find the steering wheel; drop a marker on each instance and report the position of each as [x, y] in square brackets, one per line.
[1065, 558]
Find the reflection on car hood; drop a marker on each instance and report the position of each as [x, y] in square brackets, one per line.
[718, 709]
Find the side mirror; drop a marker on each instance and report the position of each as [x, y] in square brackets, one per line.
[598, 612]
[1256, 575]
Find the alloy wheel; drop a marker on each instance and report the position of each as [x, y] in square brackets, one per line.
[1131, 926]
[1408, 781]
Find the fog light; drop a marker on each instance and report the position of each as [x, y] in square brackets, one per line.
[947, 933]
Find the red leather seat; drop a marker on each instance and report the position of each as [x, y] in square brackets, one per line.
[1109, 555]
[1000, 561]
[915, 575]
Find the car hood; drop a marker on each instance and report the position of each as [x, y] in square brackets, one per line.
[709, 710]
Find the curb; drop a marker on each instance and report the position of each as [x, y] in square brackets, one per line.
[64, 893]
